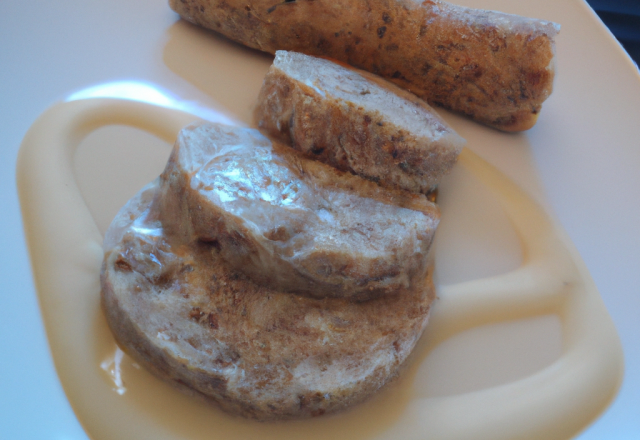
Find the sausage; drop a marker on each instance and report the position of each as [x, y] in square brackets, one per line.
[493, 67]
[356, 122]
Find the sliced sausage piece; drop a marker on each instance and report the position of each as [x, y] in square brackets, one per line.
[187, 316]
[292, 223]
[356, 121]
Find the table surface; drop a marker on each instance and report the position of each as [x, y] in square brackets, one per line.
[622, 17]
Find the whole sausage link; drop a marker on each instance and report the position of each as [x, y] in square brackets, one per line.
[493, 67]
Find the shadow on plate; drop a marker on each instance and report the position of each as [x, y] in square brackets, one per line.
[231, 74]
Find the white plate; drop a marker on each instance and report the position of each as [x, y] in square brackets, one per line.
[579, 161]
[524, 351]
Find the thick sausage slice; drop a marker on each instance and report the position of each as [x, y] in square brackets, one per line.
[186, 315]
[356, 122]
[290, 222]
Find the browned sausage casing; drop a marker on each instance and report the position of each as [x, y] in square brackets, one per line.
[496, 68]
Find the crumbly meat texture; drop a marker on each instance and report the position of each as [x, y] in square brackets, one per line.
[292, 223]
[357, 122]
[496, 68]
[199, 324]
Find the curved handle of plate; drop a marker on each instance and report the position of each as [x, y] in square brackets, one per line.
[553, 403]
[65, 244]
[540, 285]
[45, 174]
[561, 399]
